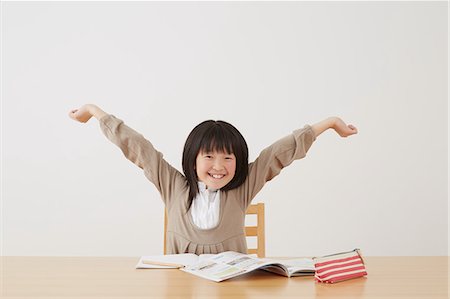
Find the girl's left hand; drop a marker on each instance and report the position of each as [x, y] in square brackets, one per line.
[342, 129]
[82, 114]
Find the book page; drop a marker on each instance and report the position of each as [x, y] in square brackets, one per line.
[293, 267]
[225, 265]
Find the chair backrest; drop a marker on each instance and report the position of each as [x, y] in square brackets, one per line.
[257, 231]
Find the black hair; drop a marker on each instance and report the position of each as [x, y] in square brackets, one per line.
[220, 136]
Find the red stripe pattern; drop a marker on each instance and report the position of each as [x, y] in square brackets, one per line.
[339, 267]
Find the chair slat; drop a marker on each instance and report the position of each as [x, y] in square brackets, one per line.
[251, 231]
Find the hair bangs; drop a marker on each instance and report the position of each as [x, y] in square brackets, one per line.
[217, 139]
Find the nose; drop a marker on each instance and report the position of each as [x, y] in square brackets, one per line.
[217, 165]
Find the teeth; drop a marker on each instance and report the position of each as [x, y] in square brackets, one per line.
[217, 176]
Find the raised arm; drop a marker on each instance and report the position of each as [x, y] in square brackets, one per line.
[135, 148]
[283, 152]
[334, 123]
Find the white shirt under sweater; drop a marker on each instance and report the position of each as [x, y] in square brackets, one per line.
[205, 207]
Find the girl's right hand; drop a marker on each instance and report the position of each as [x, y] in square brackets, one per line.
[82, 114]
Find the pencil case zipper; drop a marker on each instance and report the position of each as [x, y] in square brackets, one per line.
[357, 250]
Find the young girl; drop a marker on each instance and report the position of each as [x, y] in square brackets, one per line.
[206, 206]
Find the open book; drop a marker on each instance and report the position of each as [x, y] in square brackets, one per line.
[229, 264]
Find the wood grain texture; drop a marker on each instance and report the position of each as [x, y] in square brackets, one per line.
[116, 277]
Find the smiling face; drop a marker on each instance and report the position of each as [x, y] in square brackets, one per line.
[215, 169]
[216, 154]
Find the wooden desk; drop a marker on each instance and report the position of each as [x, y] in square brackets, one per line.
[109, 277]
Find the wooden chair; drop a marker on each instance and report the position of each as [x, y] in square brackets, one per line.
[257, 231]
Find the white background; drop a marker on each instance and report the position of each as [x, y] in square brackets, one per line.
[266, 67]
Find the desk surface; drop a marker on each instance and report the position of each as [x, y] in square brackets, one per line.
[110, 277]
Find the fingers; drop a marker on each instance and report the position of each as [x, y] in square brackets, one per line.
[72, 113]
[348, 131]
[345, 130]
[353, 128]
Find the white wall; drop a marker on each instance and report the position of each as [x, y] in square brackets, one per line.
[268, 68]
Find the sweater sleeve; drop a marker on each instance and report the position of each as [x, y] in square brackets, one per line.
[274, 158]
[141, 152]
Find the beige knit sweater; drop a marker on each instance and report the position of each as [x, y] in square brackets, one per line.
[182, 234]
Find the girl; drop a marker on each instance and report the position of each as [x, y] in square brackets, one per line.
[206, 206]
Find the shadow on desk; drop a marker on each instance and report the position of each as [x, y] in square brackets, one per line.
[354, 288]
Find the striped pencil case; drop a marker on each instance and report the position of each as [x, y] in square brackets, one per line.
[338, 267]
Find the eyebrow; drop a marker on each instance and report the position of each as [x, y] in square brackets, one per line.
[212, 152]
